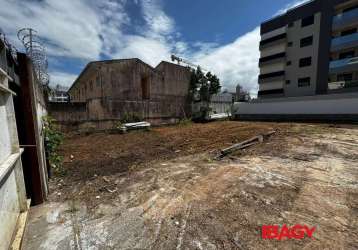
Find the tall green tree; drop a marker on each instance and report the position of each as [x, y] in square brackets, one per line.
[203, 85]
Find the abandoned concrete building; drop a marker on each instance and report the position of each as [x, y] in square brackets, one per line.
[107, 91]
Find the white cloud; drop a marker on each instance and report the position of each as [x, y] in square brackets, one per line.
[157, 21]
[150, 50]
[290, 6]
[62, 78]
[235, 63]
[88, 29]
[70, 27]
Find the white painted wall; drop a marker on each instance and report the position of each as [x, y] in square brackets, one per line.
[273, 33]
[269, 68]
[272, 50]
[307, 105]
[272, 85]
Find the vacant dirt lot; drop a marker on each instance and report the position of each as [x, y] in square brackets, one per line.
[163, 189]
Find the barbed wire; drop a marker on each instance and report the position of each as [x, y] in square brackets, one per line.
[35, 50]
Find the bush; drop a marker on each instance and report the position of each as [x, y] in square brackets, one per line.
[53, 139]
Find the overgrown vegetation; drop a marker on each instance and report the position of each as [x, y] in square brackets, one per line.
[203, 86]
[53, 139]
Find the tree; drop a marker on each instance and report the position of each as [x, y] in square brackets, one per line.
[203, 85]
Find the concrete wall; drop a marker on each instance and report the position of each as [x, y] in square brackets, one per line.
[68, 112]
[325, 107]
[12, 186]
[221, 103]
[112, 89]
[295, 53]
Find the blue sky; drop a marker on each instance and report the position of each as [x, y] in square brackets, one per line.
[221, 36]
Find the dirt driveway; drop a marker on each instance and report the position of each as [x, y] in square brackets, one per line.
[163, 189]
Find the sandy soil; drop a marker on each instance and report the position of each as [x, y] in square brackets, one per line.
[163, 189]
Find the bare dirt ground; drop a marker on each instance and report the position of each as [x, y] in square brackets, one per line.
[163, 189]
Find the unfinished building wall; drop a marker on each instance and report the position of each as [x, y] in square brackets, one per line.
[113, 89]
[12, 186]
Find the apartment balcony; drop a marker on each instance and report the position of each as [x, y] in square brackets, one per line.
[344, 42]
[344, 19]
[276, 58]
[344, 65]
[272, 41]
[271, 77]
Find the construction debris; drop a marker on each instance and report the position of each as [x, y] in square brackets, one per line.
[219, 116]
[245, 144]
[135, 126]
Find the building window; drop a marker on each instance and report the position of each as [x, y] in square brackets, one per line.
[288, 63]
[307, 21]
[290, 25]
[304, 82]
[289, 44]
[288, 81]
[305, 62]
[348, 54]
[91, 84]
[145, 88]
[306, 41]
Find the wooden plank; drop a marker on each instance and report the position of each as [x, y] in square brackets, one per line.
[247, 143]
[31, 158]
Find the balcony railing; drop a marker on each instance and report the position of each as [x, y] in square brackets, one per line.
[340, 20]
[344, 42]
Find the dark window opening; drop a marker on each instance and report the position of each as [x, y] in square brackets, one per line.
[345, 77]
[289, 44]
[291, 24]
[145, 88]
[304, 62]
[272, 39]
[307, 21]
[307, 41]
[91, 84]
[270, 75]
[288, 81]
[348, 54]
[349, 32]
[98, 81]
[304, 82]
[288, 63]
[273, 57]
[270, 92]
